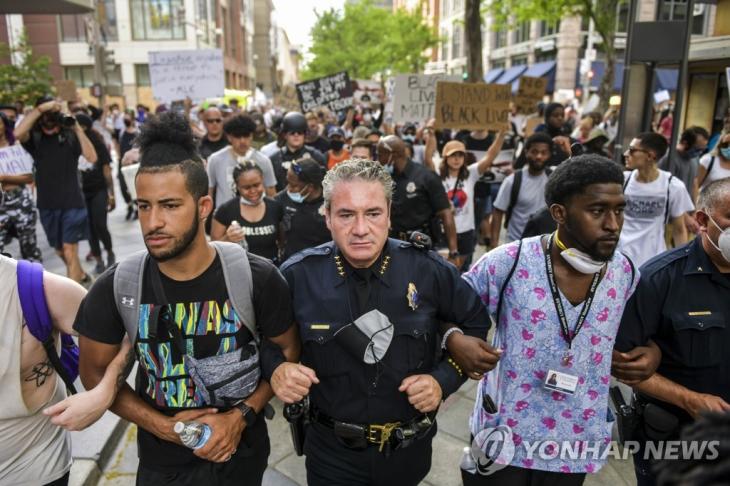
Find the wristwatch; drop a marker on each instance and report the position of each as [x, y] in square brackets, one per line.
[249, 414]
[454, 254]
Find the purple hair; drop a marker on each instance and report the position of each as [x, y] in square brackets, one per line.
[8, 129]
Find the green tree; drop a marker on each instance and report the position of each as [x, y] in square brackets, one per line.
[604, 13]
[473, 35]
[365, 40]
[26, 81]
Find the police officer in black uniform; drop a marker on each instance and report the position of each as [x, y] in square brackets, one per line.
[418, 197]
[302, 225]
[293, 127]
[368, 311]
[682, 303]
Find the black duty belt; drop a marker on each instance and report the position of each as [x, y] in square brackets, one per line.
[388, 437]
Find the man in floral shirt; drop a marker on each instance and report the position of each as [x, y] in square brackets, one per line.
[558, 301]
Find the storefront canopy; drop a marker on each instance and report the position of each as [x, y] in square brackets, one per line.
[46, 6]
[510, 74]
[545, 69]
[493, 74]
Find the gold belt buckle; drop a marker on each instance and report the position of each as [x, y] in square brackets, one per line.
[385, 431]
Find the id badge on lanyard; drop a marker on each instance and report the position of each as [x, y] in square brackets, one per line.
[563, 374]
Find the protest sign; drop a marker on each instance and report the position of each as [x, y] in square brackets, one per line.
[389, 91]
[472, 106]
[414, 96]
[66, 89]
[14, 160]
[176, 75]
[529, 94]
[334, 92]
[288, 98]
[367, 92]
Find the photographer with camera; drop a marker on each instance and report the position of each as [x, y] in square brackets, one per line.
[56, 142]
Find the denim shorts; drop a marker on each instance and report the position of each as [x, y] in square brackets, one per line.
[64, 225]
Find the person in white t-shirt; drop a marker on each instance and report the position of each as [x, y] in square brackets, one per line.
[459, 180]
[715, 165]
[528, 197]
[653, 198]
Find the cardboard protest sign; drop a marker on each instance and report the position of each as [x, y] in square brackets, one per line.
[529, 94]
[14, 160]
[334, 92]
[414, 96]
[472, 106]
[66, 89]
[176, 75]
[288, 98]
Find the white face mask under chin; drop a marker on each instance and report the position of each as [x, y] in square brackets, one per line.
[723, 241]
[579, 260]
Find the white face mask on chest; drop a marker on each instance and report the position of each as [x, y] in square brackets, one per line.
[577, 259]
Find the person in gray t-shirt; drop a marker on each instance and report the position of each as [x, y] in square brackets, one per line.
[683, 163]
[531, 196]
[239, 131]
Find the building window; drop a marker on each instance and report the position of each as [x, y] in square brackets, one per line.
[677, 10]
[622, 20]
[83, 76]
[157, 19]
[456, 41]
[73, 28]
[108, 16]
[498, 64]
[545, 56]
[444, 44]
[549, 28]
[519, 60]
[522, 32]
[142, 74]
[500, 38]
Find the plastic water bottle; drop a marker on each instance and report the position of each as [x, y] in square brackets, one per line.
[193, 434]
[243, 242]
[467, 462]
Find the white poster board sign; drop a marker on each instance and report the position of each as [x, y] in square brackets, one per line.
[661, 96]
[176, 75]
[14, 160]
[414, 96]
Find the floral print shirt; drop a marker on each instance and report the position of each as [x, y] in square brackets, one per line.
[530, 335]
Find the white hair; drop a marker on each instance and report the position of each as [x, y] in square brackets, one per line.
[356, 169]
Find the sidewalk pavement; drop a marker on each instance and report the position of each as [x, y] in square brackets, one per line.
[106, 453]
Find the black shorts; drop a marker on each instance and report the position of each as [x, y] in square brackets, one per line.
[65, 225]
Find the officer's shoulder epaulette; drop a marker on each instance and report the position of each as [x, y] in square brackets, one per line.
[431, 254]
[662, 261]
[321, 250]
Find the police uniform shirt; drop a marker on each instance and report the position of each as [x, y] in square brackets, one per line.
[282, 158]
[682, 303]
[302, 224]
[417, 197]
[414, 290]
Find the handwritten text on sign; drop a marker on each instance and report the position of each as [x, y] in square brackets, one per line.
[176, 75]
[414, 96]
[335, 92]
[530, 93]
[14, 160]
[472, 106]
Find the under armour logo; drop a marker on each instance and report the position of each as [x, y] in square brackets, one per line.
[128, 301]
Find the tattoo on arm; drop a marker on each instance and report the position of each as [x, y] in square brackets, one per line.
[126, 368]
[40, 373]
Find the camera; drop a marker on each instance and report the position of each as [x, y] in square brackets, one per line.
[68, 121]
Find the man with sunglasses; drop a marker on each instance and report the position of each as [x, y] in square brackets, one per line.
[213, 140]
[654, 198]
[294, 128]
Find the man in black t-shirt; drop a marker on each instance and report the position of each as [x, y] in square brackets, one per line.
[214, 139]
[56, 150]
[172, 192]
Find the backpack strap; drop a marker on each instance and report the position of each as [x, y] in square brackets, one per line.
[666, 206]
[709, 168]
[506, 281]
[513, 195]
[35, 312]
[239, 282]
[128, 278]
[628, 179]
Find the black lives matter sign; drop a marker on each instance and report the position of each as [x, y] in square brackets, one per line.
[472, 106]
[334, 92]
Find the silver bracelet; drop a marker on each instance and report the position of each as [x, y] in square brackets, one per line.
[449, 333]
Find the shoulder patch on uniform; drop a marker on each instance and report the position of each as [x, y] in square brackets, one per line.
[321, 250]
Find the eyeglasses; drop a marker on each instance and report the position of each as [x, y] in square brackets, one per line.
[214, 120]
[296, 132]
[633, 150]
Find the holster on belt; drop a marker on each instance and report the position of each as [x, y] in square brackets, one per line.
[297, 414]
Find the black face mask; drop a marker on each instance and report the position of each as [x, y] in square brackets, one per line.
[51, 120]
[337, 145]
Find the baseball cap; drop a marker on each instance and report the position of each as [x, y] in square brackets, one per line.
[308, 170]
[453, 147]
[335, 131]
